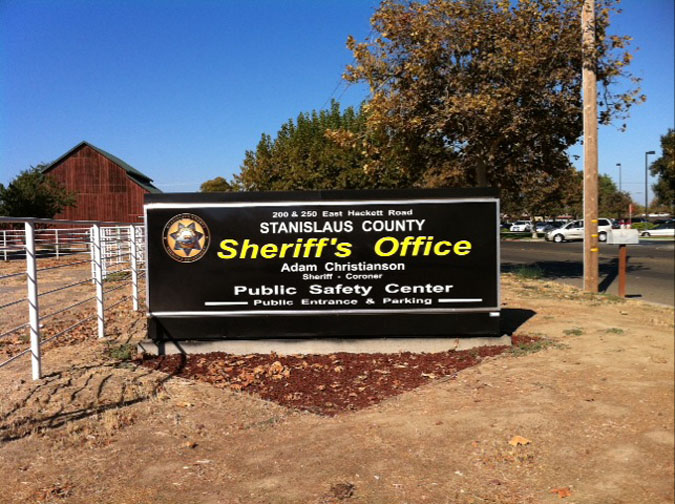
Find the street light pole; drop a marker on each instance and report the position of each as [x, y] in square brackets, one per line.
[646, 178]
[619, 165]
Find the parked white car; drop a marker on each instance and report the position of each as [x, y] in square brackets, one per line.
[575, 231]
[521, 226]
[665, 229]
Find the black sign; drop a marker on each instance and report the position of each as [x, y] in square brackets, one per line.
[237, 265]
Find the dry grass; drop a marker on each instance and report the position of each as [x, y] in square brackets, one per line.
[596, 407]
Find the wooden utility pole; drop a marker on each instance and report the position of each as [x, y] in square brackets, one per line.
[590, 148]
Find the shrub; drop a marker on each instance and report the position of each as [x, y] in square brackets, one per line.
[122, 352]
[642, 226]
[532, 272]
[536, 346]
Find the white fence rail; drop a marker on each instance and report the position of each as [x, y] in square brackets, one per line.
[31, 249]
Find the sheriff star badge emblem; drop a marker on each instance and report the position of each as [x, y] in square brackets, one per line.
[186, 238]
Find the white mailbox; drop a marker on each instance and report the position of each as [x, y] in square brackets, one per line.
[623, 237]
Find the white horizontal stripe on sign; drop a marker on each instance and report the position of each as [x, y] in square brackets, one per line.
[460, 300]
[225, 303]
[249, 313]
[315, 203]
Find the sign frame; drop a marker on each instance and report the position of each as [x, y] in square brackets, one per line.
[176, 325]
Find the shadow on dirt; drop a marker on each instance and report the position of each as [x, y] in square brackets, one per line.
[512, 318]
[77, 393]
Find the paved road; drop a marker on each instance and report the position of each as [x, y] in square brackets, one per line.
[650, 270]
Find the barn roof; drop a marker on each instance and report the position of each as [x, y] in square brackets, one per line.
[139, 178]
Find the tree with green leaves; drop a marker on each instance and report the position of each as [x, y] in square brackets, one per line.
[34, 194]
[664, 169]
[487, 92]
[564, 196]
[545, 197]
[218, 184]
[319, 150]
[612, 202]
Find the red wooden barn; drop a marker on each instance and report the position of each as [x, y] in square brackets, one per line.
[107, 188]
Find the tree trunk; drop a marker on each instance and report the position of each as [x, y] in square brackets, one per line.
[481, 175]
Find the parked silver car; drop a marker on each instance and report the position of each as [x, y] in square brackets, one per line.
[545, 227]
[521, 226]
[664, 229]
[575, 231]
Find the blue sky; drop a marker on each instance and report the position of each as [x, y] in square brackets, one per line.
[180, 89]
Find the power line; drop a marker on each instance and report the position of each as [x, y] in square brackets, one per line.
[341, 80]
[332, 94]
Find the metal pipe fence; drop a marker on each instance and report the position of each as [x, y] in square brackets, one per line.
[49, 242]
[32, 249]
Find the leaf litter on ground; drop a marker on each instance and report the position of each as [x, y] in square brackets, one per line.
[324, 384]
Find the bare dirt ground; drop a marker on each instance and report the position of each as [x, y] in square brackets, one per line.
[587, 419]
[14, 288]
[73, 272]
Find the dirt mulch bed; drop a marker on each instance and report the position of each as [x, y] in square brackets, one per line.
[325, 384]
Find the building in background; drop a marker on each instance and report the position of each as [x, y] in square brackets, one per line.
[106, 188]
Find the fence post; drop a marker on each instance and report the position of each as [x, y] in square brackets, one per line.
[33, 308]
[104, 242]
[134, 267]
[4, 243]
[98, 278]
[56, 238]
[119, 245]
[91, 253]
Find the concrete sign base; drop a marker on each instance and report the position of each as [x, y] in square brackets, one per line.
[320, 346]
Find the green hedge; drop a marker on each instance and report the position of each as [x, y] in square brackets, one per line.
[641, 226]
